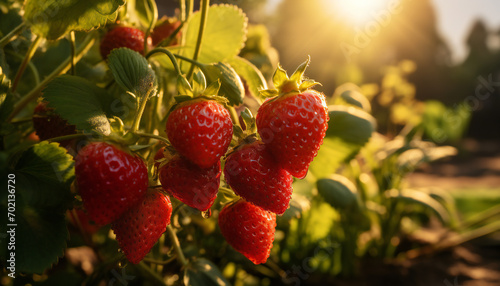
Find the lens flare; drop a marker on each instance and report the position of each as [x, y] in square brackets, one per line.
[358, 12]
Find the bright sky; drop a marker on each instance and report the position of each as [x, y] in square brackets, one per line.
[455, 18]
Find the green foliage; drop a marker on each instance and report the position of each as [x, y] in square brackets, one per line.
[53, 19]
[132, 72]
[224, 35]
[252, 76]
[348, 130]
[339, 192]
[445, 124]
[231, 85]
[43, 174]
[200, 272]
[78, 101]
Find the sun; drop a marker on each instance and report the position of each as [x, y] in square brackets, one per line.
[356, 12]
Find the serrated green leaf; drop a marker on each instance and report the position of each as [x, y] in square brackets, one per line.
[201, 272]
[254, 79]
[79, 102]
[52, 19]
[224, 35]
[44, 174]
[410, 196]
[132, 71]
[338, 191]
[348, 130]
[231, 86]
[40, 237]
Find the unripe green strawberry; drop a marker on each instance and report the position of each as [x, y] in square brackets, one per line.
[122, 37]
[138, 229]
[254, 175]
[249, 229]
[294, 123]
[200, 130]
[109, 180]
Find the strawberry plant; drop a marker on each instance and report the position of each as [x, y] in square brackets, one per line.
[162, 151]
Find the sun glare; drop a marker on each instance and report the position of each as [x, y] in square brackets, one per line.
[357, 12]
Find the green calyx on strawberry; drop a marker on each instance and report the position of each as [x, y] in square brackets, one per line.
[196, 187]
[254, 174]
[199, 127]
[138, 229]
[248, 229]
[110, 180]
[293, 124]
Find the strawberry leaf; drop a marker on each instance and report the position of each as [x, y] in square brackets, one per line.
[40, 235]
[132, 72]
[44, 173]
[348, 130]
[79, 102]
[224, 35]
[201, 272]
[251, 74]
[338, 191]
[231, 86]
[52, 19]
[415, 197]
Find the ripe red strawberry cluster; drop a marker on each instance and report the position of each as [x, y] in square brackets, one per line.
[200, 131]
[292, 127]
[113, 185]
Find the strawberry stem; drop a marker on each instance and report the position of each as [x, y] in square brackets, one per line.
[27, 58]
[137, 120]
[72, 42]
[170, 56]
[177, 247]
[152, 136]
[12, 34]
[159, 262]
[34, 93]
[154, 17]
[203, 23]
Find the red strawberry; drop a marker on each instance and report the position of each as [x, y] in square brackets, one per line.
[254, 175]
[122, 37]
[138, 229]
[200, 130]
[249, 229]
[164, 30]
[192, 185]
[48, 124]
[109, 181]
[293, 124]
